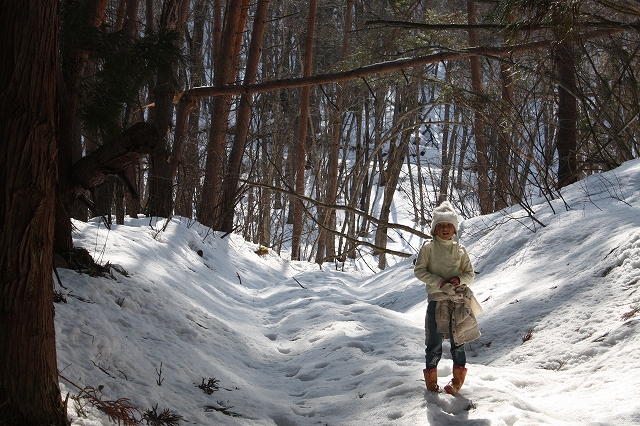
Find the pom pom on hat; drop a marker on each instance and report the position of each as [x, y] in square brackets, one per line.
[444, 213]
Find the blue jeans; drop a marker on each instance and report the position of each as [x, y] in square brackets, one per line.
[433, 352]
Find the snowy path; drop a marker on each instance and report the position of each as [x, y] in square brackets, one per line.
[347, 349]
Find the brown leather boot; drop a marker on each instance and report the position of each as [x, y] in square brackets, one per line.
[431, 379]
[459, 373]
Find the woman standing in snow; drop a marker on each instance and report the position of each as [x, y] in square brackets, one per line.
[444, 266]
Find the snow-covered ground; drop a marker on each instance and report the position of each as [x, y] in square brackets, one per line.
[290, 343]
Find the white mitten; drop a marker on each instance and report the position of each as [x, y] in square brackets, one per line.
[448, 288]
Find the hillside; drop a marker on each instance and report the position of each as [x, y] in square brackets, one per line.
[289, 343]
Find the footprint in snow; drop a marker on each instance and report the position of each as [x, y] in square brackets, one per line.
[362, 346]
[284, 351]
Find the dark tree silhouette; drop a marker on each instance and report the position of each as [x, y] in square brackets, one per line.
[29, 390]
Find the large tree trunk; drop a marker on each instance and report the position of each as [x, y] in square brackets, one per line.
[29, 390]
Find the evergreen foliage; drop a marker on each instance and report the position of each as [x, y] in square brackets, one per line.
[121, 68]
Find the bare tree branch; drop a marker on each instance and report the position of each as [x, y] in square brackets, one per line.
[339, 207]
[494, 52]
[604, 24]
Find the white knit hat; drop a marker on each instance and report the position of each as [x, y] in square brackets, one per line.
[444, 213]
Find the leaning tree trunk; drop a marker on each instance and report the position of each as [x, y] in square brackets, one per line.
[29, 390]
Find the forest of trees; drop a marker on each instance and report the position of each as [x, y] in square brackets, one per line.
[266, 118]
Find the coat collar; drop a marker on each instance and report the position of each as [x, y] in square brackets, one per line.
[443, 242]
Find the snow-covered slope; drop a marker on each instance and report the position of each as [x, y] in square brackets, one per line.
[290, 343]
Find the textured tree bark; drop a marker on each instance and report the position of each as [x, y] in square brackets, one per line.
[29, 390]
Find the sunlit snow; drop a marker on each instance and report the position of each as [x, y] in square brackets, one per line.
[290, 343]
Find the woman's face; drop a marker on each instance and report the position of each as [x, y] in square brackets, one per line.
[445, 230]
